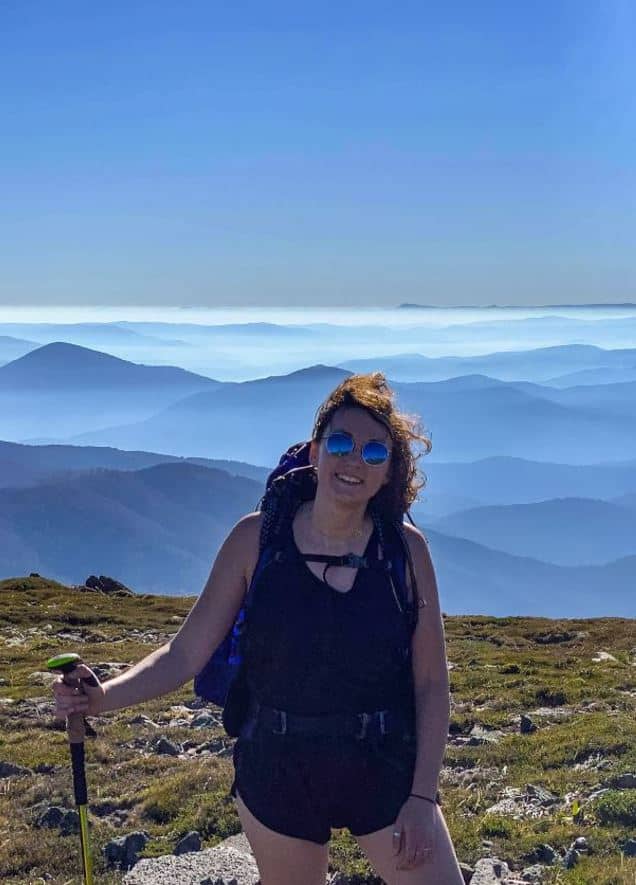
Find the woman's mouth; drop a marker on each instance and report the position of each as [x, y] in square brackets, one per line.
[349, 480]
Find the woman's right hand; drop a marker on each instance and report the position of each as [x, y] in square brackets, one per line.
[71, 699]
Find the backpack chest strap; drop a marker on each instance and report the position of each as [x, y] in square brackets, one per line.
[348, 560]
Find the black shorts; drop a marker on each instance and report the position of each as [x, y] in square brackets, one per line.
[303, 787]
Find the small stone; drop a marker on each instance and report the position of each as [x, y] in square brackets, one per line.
[580, 844]
[190, 842]
[142, 719]
[571, 858]
[490, 871]
[551, 638]
[535, 873]
[629, 848]
[204, 720]
[544, 796]
[42, 677]
[164, 747]
[527, 726]
[625, 781]
[479, 735]
[8, 769]
[545, 853]
[64, 819]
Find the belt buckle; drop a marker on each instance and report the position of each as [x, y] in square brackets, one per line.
[365, 718]
[283, 723]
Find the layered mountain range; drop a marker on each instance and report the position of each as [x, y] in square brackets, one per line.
[139, 470]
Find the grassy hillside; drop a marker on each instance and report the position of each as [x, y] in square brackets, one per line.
[500, 669]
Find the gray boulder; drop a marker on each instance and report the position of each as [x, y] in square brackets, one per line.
[229, 863]
[108, 585]
[490, 871]
[123, 852]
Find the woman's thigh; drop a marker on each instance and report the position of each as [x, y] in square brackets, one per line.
[441, 869]
[283, 860]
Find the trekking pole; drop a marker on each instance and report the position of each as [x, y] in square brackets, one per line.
[76, 728]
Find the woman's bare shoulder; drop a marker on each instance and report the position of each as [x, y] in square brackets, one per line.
[249, 525]
[245, 540]
[416, 539]
[423, 564]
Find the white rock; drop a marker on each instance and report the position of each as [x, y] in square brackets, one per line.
[601, 656]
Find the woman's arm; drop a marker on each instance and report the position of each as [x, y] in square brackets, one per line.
[430, 672]
[180, 659]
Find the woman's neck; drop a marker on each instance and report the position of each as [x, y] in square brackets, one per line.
[335, 525]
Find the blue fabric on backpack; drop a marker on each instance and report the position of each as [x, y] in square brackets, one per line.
[214, 681]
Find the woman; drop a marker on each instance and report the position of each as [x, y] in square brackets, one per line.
[324, 646]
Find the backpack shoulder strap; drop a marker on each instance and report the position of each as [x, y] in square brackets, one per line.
[278, 506]
[396, 550]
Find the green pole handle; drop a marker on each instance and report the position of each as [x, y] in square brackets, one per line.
[65, 664]
[76, 729]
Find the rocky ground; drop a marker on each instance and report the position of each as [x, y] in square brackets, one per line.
[539, 781]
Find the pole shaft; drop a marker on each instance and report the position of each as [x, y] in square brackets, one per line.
[86, 855]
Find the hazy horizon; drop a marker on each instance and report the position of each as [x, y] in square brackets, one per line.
[280, 313]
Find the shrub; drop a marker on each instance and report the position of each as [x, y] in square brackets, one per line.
[616, 807]
[496, 825]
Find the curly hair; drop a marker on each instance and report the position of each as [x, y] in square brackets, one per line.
[372, 393]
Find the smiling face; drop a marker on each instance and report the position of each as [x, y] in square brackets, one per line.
[347, 477]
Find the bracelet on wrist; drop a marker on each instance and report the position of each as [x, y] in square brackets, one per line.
[428, 799]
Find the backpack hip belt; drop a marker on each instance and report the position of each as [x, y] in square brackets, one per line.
[357, 725]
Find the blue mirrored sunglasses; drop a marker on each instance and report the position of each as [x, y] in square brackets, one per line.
[341, 443]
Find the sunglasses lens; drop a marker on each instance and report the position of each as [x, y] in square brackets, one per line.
[339, 444]
[374, 453]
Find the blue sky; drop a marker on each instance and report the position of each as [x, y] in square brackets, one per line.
[364, 153]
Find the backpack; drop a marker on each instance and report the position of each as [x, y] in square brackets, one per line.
[222, 681]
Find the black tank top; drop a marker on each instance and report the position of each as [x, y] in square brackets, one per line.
[313, 650]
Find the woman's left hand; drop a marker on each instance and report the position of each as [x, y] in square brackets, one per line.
[415, 826]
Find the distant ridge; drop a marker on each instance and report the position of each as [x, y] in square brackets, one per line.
[12, 348]
[22, 465]
[318, 371]
[412, 306]
[71, 365]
